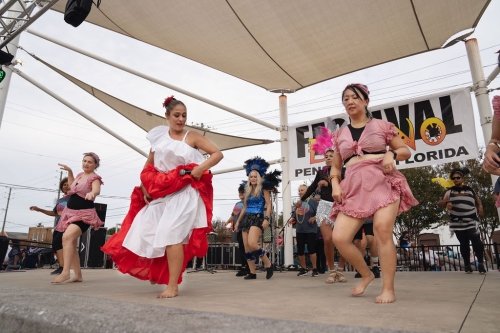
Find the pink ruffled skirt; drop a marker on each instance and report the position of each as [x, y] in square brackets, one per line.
[88, 216]
[367, 188]
[79, 209]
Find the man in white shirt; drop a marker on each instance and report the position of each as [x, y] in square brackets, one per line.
[431, 260]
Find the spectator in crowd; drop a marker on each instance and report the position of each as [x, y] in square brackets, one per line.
[14, 254]
[449, 253]
[430, 260]
[404, 240]
[244, 270]
[304, 218]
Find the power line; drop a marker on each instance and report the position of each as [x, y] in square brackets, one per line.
[41, 189]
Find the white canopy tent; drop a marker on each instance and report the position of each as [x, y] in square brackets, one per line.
[289, 44]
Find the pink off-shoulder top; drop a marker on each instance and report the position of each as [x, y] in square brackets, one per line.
[81, 188]
[375, 138]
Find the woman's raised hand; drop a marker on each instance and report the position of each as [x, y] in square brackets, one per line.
[64, 167]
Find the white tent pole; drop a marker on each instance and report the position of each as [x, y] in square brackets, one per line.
[287, 191]
[77, 110]
[5, 84]
[218, 172]
[152, 79]
[480, 87]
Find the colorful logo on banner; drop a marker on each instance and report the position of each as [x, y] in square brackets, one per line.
[437, 129]
[432, 133]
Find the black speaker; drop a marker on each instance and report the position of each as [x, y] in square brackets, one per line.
[4, 246]
[214, 254]
[101, 210]
[91, 241]
[77, 11]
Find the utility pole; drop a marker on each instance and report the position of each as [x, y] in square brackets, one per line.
[6, 209]
[58, 196]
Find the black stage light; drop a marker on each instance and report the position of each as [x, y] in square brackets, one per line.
[5, 58]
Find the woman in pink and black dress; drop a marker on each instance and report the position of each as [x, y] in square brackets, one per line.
[372, 187]
[79, 214]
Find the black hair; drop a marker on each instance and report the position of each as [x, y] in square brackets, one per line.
[170, 105]
[61, 183]
[357, 92]
[461, 171]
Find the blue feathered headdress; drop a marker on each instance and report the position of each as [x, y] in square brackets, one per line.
[258, 164]
[271, 180]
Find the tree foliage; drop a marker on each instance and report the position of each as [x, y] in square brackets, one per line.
[426, 213]
[480, 181]
[111, 231]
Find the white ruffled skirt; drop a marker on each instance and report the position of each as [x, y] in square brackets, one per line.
[166, 221]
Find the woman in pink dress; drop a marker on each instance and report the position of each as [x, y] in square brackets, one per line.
[372, 187]
[79, 214]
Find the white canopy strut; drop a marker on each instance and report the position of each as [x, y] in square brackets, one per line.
[153, 79]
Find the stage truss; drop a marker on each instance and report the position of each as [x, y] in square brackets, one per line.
[17, 15]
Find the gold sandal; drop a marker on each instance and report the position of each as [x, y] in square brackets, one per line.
[340, 276]
[331, 279]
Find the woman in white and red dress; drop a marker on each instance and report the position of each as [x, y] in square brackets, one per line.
[169, 214]
[79, 214]
[372, 187]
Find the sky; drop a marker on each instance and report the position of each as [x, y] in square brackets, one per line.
[38, 132]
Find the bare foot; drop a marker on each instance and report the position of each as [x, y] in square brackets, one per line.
[75, 279]
[386, 297]
[170, 292]
[360, 288]
[61, 278]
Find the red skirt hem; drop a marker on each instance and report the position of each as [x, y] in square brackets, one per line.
[158, 185]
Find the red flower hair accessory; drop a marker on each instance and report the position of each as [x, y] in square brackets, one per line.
[168, 100]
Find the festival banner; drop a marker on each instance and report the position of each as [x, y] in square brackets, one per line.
[437, 128]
